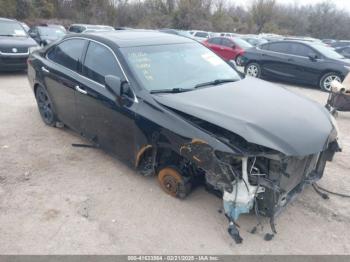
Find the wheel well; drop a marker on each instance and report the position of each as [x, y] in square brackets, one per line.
[330, 71]
[250, 62]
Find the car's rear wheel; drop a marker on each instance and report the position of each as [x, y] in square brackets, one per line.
[239, 60]
[327, 79]
[253, 70]
[45, 106]
[173, 183]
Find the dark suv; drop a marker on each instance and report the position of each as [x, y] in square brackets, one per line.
[297, 61]
[15, 45]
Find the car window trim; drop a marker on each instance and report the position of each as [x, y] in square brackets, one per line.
[84, 58]
[258, 47]
[84, 55]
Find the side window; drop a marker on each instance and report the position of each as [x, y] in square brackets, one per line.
[280, 47]
[301, 50]
[226, 42]
[76, 29]
[346, 51]
[265, 46]
[68, 53]
[215, 41]
[201, 34]
[99, 62]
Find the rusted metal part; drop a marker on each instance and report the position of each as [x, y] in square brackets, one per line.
[140, 154]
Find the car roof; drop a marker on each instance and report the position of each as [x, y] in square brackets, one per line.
[132, 38]
[2, 19]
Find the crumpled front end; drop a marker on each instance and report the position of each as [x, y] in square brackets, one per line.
[265, 183]
[253, 177]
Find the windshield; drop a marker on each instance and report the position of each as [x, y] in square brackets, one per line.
[175, 66]
[9, 28]
[241, 43]
[328, 52]
[50, 31]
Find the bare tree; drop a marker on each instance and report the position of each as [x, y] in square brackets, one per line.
[262, 12]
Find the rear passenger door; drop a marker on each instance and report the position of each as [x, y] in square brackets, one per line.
[215, 45]
[103, 120]
[277, 61]
[61, 76]
[304, 67]
[228, 51]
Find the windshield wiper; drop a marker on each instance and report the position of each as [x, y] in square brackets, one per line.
[8, 35]
[171, 91]
[215, 82]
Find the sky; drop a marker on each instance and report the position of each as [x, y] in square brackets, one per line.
[342, 4]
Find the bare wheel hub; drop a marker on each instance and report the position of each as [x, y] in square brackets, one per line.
[173, 183]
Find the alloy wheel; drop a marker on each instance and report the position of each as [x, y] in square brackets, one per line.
[253, 70]
[45, 107]
[328, 80]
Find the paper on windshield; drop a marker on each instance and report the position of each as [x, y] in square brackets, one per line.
[20, 33]
[213, 59]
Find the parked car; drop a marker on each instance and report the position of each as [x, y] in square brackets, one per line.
[56, 26]
[254, 41]
[200, 35]
[228, 34]
[44, 35]
[81, 28]
[297, 61]
[329, 41]
[173, 108]
[344, 51]
[340, 43]
[232, 48]
[15, 45]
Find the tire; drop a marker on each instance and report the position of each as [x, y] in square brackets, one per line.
[253, 70]
[173, 183]
[45, 107]
[326, 79]
[238, 60]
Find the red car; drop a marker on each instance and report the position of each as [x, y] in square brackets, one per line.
[231, 48]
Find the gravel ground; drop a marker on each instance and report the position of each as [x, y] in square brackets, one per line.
[56, 199]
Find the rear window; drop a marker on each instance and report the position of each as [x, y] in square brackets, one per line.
[280, 47]
[215, 41]
[68, 53]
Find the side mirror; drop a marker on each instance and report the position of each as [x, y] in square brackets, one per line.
[313, 57]
[233, 46]
[114, 85]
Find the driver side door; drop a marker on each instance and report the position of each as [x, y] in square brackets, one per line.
[103, 120]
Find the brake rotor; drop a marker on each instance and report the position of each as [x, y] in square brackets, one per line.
[170, 181]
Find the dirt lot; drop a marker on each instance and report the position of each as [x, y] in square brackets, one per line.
[56, 199]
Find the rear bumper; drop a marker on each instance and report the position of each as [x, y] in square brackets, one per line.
[13, 63]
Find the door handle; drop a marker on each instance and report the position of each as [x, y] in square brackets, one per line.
[80, 90]
[44, 69]
[290, 59]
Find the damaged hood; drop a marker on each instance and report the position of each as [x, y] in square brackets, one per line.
[260, 112]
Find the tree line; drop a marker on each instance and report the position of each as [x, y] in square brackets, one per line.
[321, 20]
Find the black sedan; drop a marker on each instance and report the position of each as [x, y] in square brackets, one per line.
[297, 61]
[44, 35]
[173, 108]
[15, 46]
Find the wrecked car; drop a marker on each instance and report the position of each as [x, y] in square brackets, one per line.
[172, 108]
